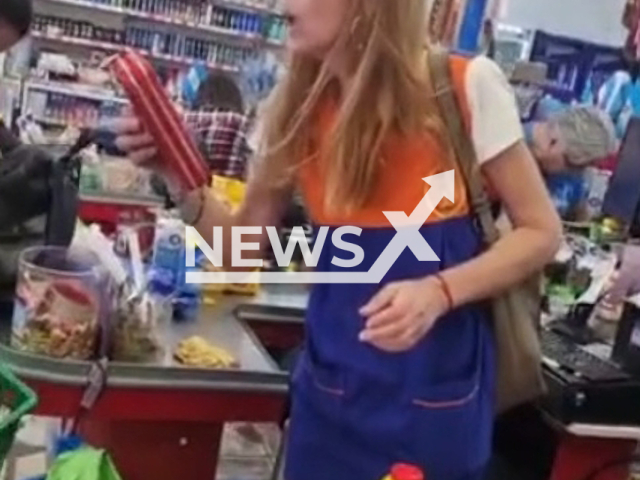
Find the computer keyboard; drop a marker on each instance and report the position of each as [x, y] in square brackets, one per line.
[560, 350]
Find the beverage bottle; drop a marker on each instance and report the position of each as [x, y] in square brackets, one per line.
[405, 472]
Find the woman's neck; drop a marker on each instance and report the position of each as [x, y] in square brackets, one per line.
[341, 69]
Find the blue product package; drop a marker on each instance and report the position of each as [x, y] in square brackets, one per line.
[186, 302]
[167, 266]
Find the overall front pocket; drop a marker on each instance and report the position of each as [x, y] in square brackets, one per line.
[314, 378]
[452, 423]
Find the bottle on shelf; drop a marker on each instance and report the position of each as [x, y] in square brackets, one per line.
[403, 471]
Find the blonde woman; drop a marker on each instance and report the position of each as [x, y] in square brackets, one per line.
[402, 371]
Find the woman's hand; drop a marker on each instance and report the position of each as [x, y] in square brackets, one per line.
[133, 140]
[140, 148]
[402, 313]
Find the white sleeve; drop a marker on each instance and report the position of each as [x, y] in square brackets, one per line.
[495, 121]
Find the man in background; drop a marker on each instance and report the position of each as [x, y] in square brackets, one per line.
[221, 127]
[564, 145]
[218, 124]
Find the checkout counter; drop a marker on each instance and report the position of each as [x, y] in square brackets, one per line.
[164, 421]
[588, 424]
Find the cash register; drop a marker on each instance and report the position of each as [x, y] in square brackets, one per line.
[595, 383]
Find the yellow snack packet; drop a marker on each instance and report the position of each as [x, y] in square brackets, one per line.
[232, 192]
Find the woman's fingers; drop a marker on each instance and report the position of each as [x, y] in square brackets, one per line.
[125, 125]
[386, 331]
[390, 315]
[132, 139]
[129, 143]
[397, 338]
[379, 301]
[143, 156]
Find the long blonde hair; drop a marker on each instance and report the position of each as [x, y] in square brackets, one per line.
[388, 93]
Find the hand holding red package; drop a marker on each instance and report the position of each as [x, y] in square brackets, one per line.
[158, 116]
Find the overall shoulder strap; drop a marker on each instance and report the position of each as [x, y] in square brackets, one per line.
[466, 159]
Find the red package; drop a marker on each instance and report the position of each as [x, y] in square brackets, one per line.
[160, 119]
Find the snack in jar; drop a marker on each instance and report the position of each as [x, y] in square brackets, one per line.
[58, 302]
[137, 328]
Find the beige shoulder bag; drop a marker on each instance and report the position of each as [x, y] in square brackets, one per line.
[516, 313]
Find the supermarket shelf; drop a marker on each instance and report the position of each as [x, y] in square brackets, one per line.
[203, 28]
[57, 122]
[112, 47]
[51, 122]
[249, 5]
[76, 90]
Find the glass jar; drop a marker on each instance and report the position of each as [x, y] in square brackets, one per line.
[58, 303]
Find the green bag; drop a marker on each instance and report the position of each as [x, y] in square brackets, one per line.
[84, 464]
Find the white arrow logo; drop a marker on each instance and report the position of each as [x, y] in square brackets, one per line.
[407, 236]
[408, 228]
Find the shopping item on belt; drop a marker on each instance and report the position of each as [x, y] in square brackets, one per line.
[159, 118]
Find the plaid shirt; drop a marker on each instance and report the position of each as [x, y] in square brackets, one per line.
[223, 140]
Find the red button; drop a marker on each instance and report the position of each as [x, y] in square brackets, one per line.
[406, 472]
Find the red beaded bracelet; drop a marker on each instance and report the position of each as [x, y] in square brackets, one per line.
[444, 285]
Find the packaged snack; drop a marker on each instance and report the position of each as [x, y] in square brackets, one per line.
[176, 148]
[57, 303]
[167, 264]
[198, 352]
[229, 191]
[232, 193]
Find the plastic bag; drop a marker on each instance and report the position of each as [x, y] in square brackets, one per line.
[84, 464]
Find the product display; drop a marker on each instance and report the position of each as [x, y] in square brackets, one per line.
[259, 19]
[103, 175]
[150, 41]
[197, 352]
[57, 26]
[62, 109]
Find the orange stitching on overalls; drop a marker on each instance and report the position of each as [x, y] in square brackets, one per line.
[332, 391]
[450, 404]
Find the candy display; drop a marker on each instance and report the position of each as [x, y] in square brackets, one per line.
[197, 352]
[57, 308]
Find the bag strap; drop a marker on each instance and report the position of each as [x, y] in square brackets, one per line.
[466, 158]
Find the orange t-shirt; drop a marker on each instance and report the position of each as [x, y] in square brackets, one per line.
[399, 185]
